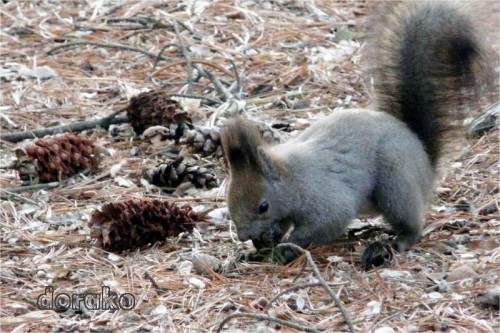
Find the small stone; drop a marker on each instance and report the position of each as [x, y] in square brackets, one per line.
[385, 329]
[372, 308]
[196, 283]
[389, 273]
[461, 273]
[185, 267]
[160, 310]
[433, 296]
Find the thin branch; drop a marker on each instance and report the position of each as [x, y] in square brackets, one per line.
[186, 56]
[158, 57]
[299, 327]
[216, 82]
[195, 35]
[144, 23]
[112, 46]
[238, 78]
[34, 187]
[154, 283]
[315, 269]
[6, 195]
[75, 127]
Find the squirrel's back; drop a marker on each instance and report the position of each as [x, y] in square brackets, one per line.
[426, 57]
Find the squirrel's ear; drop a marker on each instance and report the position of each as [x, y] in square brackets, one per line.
[240, 141]
[269, 167]
[243, 148]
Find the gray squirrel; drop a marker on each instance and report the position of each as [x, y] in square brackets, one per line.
[358, 161]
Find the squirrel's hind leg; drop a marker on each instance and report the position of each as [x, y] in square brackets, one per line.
[402, 203]
[400, 197]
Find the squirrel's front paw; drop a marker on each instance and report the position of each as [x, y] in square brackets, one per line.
[377, 254]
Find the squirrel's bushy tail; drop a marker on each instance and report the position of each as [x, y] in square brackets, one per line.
[424, 57]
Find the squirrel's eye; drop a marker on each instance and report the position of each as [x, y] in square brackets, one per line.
[264, 206]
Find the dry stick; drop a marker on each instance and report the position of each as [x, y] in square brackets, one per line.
[195, 35]
[6, 195]
[76, 127]
[158, 57]
[216, 82]
[35, 187]
[112, 46]
[238, 78]
[154, 283]
[185, 54]
[145, 23]
[289, 290]
[267, 318]
[315, 269]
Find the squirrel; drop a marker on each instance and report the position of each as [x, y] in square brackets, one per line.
[358, 161]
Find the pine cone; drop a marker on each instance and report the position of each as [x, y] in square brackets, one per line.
[178, 171]
[126, 225]
[155, 108]
[204, 140]
[55, 158]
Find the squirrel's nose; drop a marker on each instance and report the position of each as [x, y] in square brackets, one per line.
[244, 234]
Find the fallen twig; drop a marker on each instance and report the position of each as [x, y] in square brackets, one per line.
[186, 56]
[6, 195]
[76, 127]
[34, 187]
[315, 269]
[112, 46]
[154, 283]
[216, 82]
[239, 88]
[159, 56]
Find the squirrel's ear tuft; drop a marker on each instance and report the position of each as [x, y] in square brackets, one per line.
[240, 141]
[244, 148]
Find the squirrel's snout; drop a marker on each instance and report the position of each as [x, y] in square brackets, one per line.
[259, 238]
[245, 234]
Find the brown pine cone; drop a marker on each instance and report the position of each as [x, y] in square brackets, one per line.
[126, 225]
[155, 108]
[178, 171]
[58, 157]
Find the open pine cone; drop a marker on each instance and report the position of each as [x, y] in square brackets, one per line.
[154, 108]
[126, 225]
[178, 171]
[58, 157]
[206, 140]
